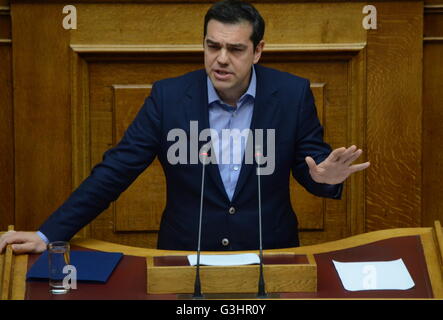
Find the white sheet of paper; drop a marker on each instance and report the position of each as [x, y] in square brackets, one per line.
[224, 259]
[383, 275]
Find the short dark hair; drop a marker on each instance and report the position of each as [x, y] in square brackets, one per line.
[235, 11]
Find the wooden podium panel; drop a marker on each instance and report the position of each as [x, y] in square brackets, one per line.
[420, 248]
[285, 272]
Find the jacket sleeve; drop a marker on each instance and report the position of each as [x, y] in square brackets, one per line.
[120, 166]
[309, 142]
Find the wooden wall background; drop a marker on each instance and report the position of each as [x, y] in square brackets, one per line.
[67, 95]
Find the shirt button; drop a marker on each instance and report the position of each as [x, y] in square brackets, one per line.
[236, 168]
[225, 242]
[231, 210]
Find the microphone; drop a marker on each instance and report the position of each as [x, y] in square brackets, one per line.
[203, 155]
[261, 280]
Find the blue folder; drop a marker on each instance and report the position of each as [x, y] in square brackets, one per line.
[94, 266]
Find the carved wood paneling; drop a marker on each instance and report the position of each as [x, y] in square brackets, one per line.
[394, 117]
[42, 114]
[116, 84]
[6, 120]
[432, 113]
[64, 99]
[111, 107]
[309, 208]
[6, 139]
[182, 23]
[139, 208]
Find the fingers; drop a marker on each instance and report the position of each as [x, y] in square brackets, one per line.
[346, 155]
[23, 247]
[6, 239]
[337, 154]
[359, 167]
[22, 242]
[352, 157]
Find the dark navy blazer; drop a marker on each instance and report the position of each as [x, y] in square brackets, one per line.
[284, 102]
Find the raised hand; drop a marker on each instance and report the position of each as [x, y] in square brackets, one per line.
[337, 167]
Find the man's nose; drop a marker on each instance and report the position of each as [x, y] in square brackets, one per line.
[223, 57]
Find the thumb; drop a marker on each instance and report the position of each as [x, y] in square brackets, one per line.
[311, 163]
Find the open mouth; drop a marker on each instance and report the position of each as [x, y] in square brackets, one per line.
[222, 75]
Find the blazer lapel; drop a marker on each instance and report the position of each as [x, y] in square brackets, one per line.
[196, 107]
[265, 110]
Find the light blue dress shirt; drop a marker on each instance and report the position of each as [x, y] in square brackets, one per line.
[223, 118]
[44, 238]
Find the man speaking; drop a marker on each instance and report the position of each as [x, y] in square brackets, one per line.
[231, 93]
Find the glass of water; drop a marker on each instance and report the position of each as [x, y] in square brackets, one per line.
[58, 254]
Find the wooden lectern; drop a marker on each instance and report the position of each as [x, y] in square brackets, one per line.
[420, 248]
[284, 272]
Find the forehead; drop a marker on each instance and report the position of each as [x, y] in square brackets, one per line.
[229, 32]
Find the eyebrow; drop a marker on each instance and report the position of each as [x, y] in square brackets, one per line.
[230, 45]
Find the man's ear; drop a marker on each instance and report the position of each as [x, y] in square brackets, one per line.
[258, 51]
